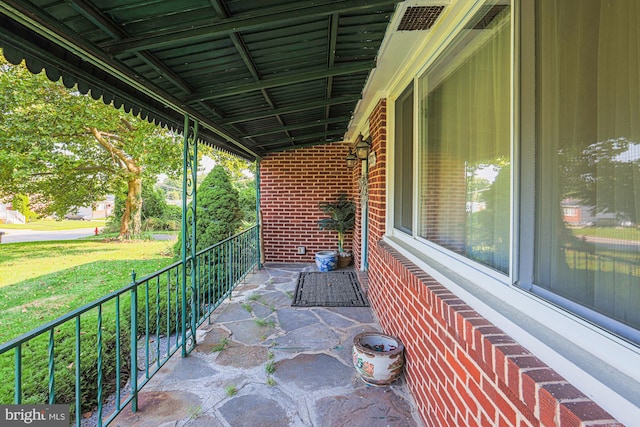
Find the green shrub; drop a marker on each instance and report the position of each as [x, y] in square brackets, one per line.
[22, 204]
[217, 211]
[35, 359]
[35, 362]
[159, 224]
[173, 213]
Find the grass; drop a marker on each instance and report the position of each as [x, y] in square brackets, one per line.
[231, 390]
[194, 412]
[40, 281]
[264, 323]
[622, 233]
[270, 367]
[30, 260]
[52, 225]
[220, 346]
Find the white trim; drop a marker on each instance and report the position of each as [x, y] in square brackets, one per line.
[417, 151]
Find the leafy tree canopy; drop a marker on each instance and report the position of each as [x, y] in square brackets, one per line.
[69, 150]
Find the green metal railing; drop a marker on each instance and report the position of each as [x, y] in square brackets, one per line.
[99, 356]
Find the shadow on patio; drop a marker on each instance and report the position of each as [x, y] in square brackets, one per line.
[279, 366]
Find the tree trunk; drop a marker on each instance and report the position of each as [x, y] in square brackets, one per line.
[131, 223]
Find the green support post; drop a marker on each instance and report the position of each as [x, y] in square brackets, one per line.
[258, 221]
[188, 250]
[134, 344]
[194, 269]
[185, 235]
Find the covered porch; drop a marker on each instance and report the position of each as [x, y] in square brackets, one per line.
[294, 86]
[260, 361]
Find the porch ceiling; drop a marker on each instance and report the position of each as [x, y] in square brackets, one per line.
[259, 76]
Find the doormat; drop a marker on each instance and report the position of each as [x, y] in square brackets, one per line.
[329, 289]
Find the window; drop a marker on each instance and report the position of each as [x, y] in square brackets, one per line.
[465, 182]
[403, 187]
[576, 206]
[588, 150]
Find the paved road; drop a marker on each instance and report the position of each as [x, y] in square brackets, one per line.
[15, 236]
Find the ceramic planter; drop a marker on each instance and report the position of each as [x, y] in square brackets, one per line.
[344, 260]
[326, 260]
[378, 358]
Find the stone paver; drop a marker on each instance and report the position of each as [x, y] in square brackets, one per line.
[313, 372]
[261, 362]
[254, 410]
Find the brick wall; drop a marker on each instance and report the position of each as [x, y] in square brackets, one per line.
[377, 183]
[292, 183]
[375, 179]
[461, 369]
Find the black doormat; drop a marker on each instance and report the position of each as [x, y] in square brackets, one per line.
[329, 289]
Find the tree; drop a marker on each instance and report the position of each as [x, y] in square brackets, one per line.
[156, 214]
[68, 150]
[242, 175]
[218, 211]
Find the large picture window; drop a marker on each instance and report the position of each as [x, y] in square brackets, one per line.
[572, 90]
[588, 154]
[465, 174]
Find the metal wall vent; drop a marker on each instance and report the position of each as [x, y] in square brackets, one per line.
[419, 18]
[486, 15]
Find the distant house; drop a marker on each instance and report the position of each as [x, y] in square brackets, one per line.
[10, 216]
[576, 214]
[98, 210]
[103, 208]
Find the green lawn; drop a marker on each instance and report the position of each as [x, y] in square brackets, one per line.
[39, 281]
[52, 225]
[626, 233]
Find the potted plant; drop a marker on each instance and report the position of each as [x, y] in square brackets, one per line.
[342, 218]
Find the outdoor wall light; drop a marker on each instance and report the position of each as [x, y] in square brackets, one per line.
[351, 159]
[362, 148]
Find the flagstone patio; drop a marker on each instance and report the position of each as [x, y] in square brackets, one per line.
[261, 362]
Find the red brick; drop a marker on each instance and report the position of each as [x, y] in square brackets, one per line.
[470, 367]
[548, 407]
[563, 391]
[586, 411]
[484, 401]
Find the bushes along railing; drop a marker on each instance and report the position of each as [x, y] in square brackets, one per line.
[99, 356]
